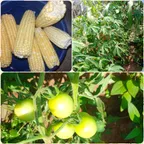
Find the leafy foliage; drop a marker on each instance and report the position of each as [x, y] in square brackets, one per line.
[86, 90]
[101, 36]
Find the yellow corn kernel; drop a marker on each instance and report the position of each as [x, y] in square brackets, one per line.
[10, 25]
[47, 50]
[25, 35]
[35, 60]
[17, 27]
[58, 37]
[51, 13]
[6, 55]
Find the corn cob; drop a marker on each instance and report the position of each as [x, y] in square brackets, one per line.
[25, 35]
[51, 13]
[10, 25]
[47, 50]
[58, 37]
[35, 60]
[6, 55]
[17, 27]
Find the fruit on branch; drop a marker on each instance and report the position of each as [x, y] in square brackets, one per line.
[61, 105]
[87, 126]
[24, 110]
[65, 132]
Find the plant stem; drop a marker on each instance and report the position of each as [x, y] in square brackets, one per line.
[32, 139]
[74, 78]
[75, 94]
[21, 127]
[45, 138]
[41, 79]
[38, 113]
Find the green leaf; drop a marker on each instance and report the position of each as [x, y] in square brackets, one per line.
[100, 126]
[133, 112]
[132, 88]
[126, 98]
[77, 46]
[13, 133]
[114, 68]
[139, 138]
[134, 133]
[118, 88]
[124, 104]
[100, 105]
[142, 82]
[73, 77]
[103, 85]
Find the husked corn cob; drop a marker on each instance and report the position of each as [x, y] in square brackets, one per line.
[58, 37]
[17, 27]
[6, 55]
[10, 25]
[47, 50]
[51, 13]
[35, 60]
[25, 35]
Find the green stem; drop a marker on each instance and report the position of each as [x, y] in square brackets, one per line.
[18, 79]
[45, 138]
[38, 111]
[21, 127]
[41, 79]
[75, 94]
[32, 139]
[74, 78]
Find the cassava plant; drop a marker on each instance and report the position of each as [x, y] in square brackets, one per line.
[101, 36]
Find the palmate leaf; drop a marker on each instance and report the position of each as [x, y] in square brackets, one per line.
[92, 61]
[103, 62]
[115, 68]
[77, 46]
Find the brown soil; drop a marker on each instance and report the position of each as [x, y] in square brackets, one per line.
[118, 128]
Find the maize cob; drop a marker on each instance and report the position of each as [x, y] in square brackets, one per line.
[35, 59]
[58, 37]
[6, 55]
[10, 25]
[51, 13]
[17, 27]
[25, 35]
[47, 50]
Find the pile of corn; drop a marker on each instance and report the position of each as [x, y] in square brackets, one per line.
[32, 38]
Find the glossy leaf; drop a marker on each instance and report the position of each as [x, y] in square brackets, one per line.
[133, 112]
[118, 88]
[134, 133]
[126, 98]
[132, 88]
